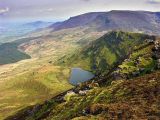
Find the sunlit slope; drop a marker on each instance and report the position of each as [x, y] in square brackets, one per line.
[129, 97]
[101, 55]
[47, 43]
[132, 99]
[32, 88]
[47, 73]
[22, 79]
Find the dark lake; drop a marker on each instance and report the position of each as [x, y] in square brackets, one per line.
[79, 75]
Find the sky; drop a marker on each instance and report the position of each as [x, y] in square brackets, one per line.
[57, 10]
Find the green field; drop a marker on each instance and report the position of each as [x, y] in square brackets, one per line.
[32, 88]
[34, 80]
[9, 53]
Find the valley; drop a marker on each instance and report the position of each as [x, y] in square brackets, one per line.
[36, 67]
[118, 94]
[9, 53]
[38, 75]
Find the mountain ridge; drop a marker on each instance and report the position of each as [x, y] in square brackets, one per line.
[104, 52]
[104, 97]
[136, 21]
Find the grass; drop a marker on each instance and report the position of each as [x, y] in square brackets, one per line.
[102, 54]
[9, 53]
[35, 80]
[136, 98]
[141, 59]
[124, 99]
[42, 80]
[32, 88]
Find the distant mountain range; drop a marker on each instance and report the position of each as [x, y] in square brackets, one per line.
[82, 29]
[133, 21]
[38, 24]
[79, 30]
[10, 31]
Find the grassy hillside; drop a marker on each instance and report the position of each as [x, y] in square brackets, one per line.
[9, 53]
[102, 54]
[140, 62]
[131, 97]
[23, 78]
[134, 99]
[32, 88]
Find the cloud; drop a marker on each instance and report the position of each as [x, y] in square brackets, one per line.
[63, 9]
[154, 1]
[4, 10]
[50, 9]
[86, 0]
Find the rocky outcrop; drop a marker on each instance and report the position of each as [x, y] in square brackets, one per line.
[156, 52]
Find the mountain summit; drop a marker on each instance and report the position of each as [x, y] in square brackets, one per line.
[133, 21]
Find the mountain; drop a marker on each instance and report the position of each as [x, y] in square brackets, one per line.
[80, 30]
[13, 31]
[101, 55]
[77, 21]
[38, 24]
[89, 43]
[104, 97]
[133, 21]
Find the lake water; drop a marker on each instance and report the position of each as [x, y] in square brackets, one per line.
[79, 75]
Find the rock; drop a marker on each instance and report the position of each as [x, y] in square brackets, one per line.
[119, 114]
[83, 92]
[135, 74]
[34, 110]
[93, 84]
[126, 60]
[158, 63]
[117, 76]
[141, 69]
[151, 41]
[86, 111]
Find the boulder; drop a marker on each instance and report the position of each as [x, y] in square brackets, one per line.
[83, 92]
